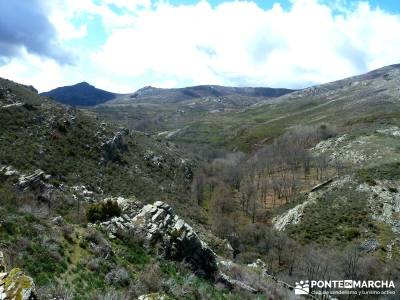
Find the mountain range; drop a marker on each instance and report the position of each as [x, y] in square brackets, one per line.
[84, 94]
[203, 192]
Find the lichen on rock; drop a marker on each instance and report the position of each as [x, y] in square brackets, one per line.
[15, 285]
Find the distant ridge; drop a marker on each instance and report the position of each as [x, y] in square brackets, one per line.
[160, 95]
[80, 94]
[212, 90]
[84, 94]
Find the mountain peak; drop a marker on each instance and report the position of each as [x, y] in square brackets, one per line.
[83, 84]
[80, 94]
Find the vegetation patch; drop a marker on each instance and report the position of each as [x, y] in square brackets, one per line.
[102, 211]
[338, 217]
[390, 171]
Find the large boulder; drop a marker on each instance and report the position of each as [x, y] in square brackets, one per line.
[158, 225]
[31, 180]
[15, 285]
[115, 146]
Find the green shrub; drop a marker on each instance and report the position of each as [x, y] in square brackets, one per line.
[390, 171]
[102, 211]
[339, 216]
[365, 176]
[351, 233]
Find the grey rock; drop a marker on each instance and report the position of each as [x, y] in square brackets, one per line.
[119, 276]
[231, 283]
[115, 146]
[25, 181]
[370, 245]
[258, 264]
[155, 296]
[14, 284]
[2, 262]
[158, 224]
[59, 220]
[8, 171]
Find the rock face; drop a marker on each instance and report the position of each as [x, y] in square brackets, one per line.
[33, 179]
[292, 216]
[15, 285]
[384, 203]
[36, 181]
[158, 225]
[116, 145]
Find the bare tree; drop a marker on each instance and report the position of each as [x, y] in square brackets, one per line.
[351, 263]
[198, 186]
[321, 165]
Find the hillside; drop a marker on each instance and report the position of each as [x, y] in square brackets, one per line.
[163, 111]
[356, 102]
[240, 203]
[81, 216]
[80, 94]
[312, 174]
[153, 95]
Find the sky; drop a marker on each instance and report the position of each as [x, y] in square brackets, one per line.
[123, 45]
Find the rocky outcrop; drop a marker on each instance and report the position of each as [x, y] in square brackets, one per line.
[2, 263]
[8, 98]
[8, 171]
[231, 284]
[29, 180]
[255, 278]
[81, 192]
[157, 224]
[155, 296]
[115, 146]
[391, 131]
[369, 245]
[390, 248]
[384, 203]
[153, 159]
[15, 285]
[37, 181]
[294, 215]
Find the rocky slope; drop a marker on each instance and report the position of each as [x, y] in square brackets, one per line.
[157, 110]
[57, 165]
[353, 103]
[362, 203]
[78, 150]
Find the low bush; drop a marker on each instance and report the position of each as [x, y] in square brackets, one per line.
[102, 211]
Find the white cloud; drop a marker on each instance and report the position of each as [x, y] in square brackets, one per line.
[234, 43]
[30, 69]
[239, 43]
